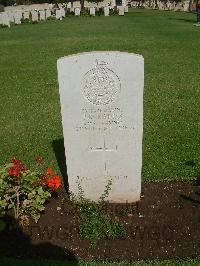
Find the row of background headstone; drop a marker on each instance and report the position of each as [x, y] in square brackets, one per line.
[75, 4]
[15, 17]
[160, 5]
[150, 4]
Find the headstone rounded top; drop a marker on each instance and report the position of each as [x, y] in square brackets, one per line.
[94, 53]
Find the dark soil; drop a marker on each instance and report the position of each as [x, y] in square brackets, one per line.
[164, 224]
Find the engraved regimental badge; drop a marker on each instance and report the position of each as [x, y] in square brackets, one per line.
[101, 85]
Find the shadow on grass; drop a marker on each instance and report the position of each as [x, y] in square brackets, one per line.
[59, 150]
[184, 19]
[15, 244]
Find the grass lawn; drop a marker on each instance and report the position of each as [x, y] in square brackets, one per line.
[30, 119]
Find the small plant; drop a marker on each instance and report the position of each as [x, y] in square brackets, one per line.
[100, 12]
[25, 20]
[51, 18]
[95, 223]
[113, 12]
[34, 22]
[25, 191]
[4, 26]
[85, 13]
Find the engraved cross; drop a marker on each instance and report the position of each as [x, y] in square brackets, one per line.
[104, 149]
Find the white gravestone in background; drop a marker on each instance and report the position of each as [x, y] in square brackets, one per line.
[58, 14]
[63, 12]
[11, 17]
[121, 10]
[106, 11]
[17, 17]
[101, 96]
[92, 11]
[77, 11]
[34, 15]
[42, 14]
[123, 2]
[26, 14]
[69, 5]
[113, 3]
[126, 9]
[5, 19]
[48, 13]
[76, 4]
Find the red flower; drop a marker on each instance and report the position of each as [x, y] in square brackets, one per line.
[13, 171]
[16, 168]
[54, 182]
[49, 171]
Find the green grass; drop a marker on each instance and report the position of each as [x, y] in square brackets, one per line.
[30, 117]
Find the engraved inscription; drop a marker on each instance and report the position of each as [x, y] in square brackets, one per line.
[99, 119]
[101, 85]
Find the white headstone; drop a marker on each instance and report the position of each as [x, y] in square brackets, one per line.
[17, 17]
[34, 15]
[121, 10]
[186, 6]
[26, 14]
[101, 96]
[76, 4]
[48, 13]
[123, 2]
[106, 11]
[69, 5]
[126, 9]
[113, 3]
[5, 19]
[63, 12]
[77, 11]
[42, 14]
[11, 16]
[58, 14]
[92, 11]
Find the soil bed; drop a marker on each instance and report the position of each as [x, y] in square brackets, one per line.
[164, 224]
